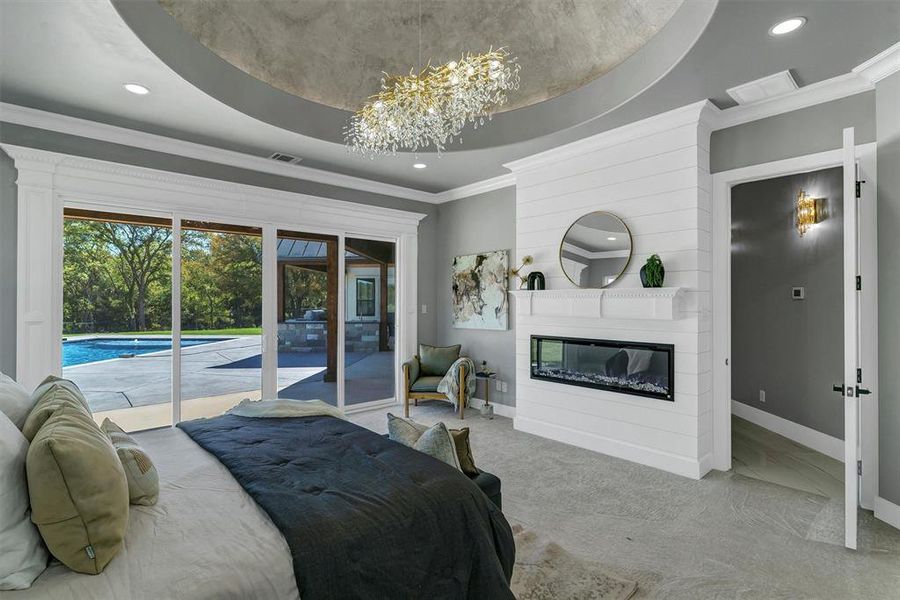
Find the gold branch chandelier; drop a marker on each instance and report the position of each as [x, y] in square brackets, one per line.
[431, 107]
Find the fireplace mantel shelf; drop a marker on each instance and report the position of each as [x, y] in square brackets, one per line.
[610, 303]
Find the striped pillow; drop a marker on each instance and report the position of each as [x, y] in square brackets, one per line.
[143, 479]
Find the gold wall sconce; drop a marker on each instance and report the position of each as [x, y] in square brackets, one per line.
[526, 260]
[807, 212]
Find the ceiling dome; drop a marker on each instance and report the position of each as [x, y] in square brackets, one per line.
[333, 52]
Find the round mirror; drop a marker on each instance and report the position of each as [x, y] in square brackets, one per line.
[595, 250]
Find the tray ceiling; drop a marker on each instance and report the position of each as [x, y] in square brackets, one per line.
[333, 51]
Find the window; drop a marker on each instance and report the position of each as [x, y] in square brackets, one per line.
[365, 297]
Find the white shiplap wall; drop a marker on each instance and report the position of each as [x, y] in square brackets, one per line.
[654, 174]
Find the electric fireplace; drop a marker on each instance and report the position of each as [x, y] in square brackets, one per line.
[626, 367]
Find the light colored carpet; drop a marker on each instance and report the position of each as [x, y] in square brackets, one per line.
[725, 536]
[545, 571]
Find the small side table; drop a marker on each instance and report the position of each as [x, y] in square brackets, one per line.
[486, 377]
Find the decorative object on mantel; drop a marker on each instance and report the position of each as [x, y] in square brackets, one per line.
[807, 212]
[480, 285]
[517, 272]
[536, 281]
[595, 250]
[653, 273]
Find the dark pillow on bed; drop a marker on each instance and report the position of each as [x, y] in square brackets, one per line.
[437, 360]
[464, 451]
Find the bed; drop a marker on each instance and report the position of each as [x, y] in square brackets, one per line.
[347, 513]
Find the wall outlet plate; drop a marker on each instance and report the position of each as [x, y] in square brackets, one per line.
[498, 385]
[762, 395]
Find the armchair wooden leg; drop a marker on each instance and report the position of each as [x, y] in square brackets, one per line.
[462, 392]
[406, 392]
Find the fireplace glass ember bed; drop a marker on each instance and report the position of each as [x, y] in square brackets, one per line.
[625, 367]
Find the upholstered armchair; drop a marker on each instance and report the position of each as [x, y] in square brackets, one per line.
[423, 373]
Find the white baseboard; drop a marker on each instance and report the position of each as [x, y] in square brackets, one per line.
[887, 511]
[818, 441]
[665, 461]
[502, 410]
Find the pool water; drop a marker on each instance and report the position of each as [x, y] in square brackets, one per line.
[79, 352]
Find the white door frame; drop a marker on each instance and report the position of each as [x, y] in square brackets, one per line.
[721, 298]
[49, 181]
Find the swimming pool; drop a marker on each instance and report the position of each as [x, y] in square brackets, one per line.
[79, 352]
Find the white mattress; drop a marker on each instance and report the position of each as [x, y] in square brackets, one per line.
[205, 538]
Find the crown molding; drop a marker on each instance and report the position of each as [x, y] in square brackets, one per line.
[473, 189]
[76, 174]
[881, 65]
[39, 119]
[835, 88]
[691, 113]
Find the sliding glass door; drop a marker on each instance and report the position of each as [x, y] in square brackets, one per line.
[117, 341]
[126, 276]
[308, 336]
[221, 317]
[370, 320]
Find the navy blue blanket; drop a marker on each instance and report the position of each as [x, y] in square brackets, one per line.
[365, 517]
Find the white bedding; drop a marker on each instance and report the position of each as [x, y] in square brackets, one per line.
[204, 539]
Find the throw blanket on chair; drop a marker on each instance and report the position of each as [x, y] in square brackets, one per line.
[449, 385]
[365, 517]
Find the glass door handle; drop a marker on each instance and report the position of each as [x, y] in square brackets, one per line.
[862, 392]
[838, 388]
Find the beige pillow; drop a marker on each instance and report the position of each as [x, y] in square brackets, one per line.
[408, 432]
[435, 441]
[78, 490]
[143, 479]
[52, 394]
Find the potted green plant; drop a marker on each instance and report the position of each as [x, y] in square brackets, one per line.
[653, 273]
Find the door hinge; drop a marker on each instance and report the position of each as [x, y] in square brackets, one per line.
[859, 283]
[859, 468]
[859, 187]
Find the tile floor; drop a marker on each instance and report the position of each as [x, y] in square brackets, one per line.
[763, 454]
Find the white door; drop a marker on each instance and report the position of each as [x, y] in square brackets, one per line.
[853, 385]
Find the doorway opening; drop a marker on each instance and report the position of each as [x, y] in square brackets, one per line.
[857, 385]
[787, 344]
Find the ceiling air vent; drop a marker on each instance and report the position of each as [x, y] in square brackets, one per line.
[285, 158]
[771, 86]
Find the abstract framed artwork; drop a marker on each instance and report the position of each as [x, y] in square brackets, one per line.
[479, 291]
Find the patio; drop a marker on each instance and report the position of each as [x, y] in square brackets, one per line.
[217, 375]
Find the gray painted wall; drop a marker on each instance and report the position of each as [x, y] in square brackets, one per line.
[479, 223]
[792, 349]
[7, 265]
[68, 144]
[887, 93]
[805, 131]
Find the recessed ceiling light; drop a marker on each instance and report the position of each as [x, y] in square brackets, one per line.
[788, 25]
[136, 88]
[419, 166]
[612, 239]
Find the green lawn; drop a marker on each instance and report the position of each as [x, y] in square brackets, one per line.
[184, 332]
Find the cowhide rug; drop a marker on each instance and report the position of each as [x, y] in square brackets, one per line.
[546, 571]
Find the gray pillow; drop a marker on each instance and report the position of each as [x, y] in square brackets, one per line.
[15, 401]
[437, 360]
[434, 441]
